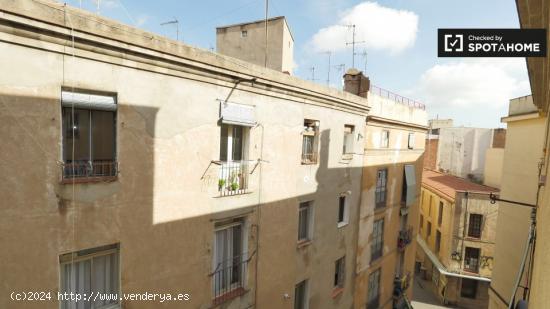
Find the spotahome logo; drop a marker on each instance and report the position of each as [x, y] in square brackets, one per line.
[491, 42]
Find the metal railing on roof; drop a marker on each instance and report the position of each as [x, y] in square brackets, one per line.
[396, 98]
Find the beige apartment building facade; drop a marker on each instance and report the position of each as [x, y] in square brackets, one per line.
[388, 213]
[141, 165]
[456, 241]
[520, 176]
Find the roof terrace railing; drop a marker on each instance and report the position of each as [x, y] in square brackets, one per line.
[397, 98]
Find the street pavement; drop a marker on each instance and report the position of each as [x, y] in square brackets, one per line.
[423, 298]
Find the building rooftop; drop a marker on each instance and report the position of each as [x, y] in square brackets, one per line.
[251, 22]
[449, 185]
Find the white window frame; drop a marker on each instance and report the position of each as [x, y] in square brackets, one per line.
[348, 148]
[411, 140]
[385, 139]
[345, 220]
[306, 294]
[340, 273]
[74, 257]
[311, 130]
[244, 249]
[306, 206]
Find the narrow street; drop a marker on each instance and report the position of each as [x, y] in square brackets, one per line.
[423, 298]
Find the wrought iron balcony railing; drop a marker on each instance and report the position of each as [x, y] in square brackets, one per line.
[89, 169]
[233, 177]
[228, 278]
[404, 238]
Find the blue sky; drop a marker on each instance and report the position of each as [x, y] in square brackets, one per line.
[401, 44]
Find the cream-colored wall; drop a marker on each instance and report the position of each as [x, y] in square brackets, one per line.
[519, 183]
[492, 173]
[163, 206]
[251, 48]
[393, 158]
[452, 240]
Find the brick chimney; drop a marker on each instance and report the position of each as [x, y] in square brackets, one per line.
[357, 83]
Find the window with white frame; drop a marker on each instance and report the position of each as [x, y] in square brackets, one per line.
[373, 296]
[343, 210]
[377, 244]
[89, 134]
[229, 258]
[411, 141]
[310, 141]
[339, 272]
[91, 271]
[301, 295]
[232, 142]
[305, 221]
[385, 139]
[233, 174]
[349, 136]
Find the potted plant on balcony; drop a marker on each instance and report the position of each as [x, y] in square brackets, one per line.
[221, 184]
[234, 186]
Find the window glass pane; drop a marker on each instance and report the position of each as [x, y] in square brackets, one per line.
[303, 221]
[103, 136]
[237, 146]
[223, 142]
[341, 209]
[300, 295]
[76, 130]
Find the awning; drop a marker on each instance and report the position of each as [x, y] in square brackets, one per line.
[410, 178]
[88, 101]
[440, 266]
[237, 114]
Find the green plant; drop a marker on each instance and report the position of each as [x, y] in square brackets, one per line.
[221, 183]
[234, 186]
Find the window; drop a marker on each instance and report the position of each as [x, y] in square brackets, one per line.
[437, 241]
[339, 272]
[411, 141]
[348, 139]
[310, 141]
[385, 141]
[91, 271]
[373, 296]
[233, 174]
[468, 288]
[474, 226]
[89, 135]
[471, 259]
[440, 214]
[229, 260]
[244, 34]
[380, 192]
[305, 222]
[300, 295]
[421, 222]
[232, 142]
[429, 230]
[377, 245]
[430, 206]
[343, 210]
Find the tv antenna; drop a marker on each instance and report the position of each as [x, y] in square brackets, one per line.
[364, 54]
[329, 53]
[173, 22]
[312, 70]
[353, 43]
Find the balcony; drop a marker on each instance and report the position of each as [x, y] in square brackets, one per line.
[404, 239]
[233, 177]
[309, 158]
[374, 303]
[401, 284]
[228, 279]
[396, 98]
[88, 170]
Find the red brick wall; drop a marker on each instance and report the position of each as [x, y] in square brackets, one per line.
[430, 154]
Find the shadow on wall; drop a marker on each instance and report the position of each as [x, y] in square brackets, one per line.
[173, 257]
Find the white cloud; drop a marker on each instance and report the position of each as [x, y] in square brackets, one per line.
[382, 28]
[468, 83]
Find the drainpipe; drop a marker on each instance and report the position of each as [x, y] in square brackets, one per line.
[258, 216]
